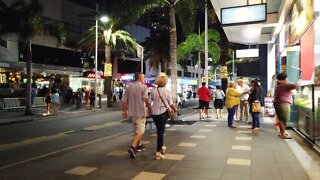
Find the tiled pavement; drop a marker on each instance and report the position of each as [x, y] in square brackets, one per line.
[204, 150]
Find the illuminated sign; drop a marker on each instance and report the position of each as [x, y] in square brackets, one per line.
[127, 77]
[107, 69]
[301, 18]
[4, 78]
[243, 14]
[246, 53]
[93, 76]
[224, 72]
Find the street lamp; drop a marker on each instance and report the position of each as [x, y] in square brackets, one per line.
[103, 19]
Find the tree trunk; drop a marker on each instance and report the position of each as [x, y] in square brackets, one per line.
[223, 61]
[28, 110]
[173, 54]
[108, 79]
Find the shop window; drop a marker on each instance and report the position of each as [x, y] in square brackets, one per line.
[187, 74]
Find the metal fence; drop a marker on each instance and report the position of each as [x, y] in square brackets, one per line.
[17, 103]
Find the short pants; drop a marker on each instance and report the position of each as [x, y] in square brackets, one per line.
[283, 112]
[138, 124]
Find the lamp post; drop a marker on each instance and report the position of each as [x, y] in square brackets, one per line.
[206, 45]
[103, 19]
[140, 50]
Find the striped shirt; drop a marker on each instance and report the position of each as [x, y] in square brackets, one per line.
[157, 106]
[135, 97]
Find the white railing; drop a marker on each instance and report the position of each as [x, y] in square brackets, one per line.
[17, 103]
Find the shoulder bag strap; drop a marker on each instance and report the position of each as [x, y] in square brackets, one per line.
[162, 99]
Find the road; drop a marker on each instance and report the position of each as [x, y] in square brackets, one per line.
[22, 143]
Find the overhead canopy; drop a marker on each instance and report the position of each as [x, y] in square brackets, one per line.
[258, 33]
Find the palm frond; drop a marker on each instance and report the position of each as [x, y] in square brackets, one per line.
[56, 31]
[185, 10]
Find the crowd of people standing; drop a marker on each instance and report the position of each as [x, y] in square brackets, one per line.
[54, 97]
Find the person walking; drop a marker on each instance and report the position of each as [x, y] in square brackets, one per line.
[92, 98]
[86, 96]
[237, 113]
[161, 98]
[204, 99]
[243, 110]
[255, 95]
[135, 101]
[55, 98]
[48, 100]
[232, 101]
[218, 101]
[79, 98]
[282, 102]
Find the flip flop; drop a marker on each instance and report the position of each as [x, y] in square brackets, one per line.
[285, 137]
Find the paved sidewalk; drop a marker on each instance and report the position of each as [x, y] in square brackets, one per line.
[202, 150]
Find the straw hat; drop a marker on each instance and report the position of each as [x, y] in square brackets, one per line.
[161, 80]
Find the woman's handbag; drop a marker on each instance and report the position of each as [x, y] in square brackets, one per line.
[256, 106]
[168, 111]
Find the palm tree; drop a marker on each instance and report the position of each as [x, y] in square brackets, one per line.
[185, 10]
[195, 44]
[113, 40]
[157, 45]
[25, 22]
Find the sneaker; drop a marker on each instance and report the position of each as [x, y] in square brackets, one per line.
[163, 150]
[132, 152]
[141, 148]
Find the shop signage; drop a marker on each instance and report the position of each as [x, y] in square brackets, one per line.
[187, 81]
[246, 53]
[4, 77]
[301, 18]
[243, 14]
[224, 72]
[93, 76]
[107, 69]
[127, 77]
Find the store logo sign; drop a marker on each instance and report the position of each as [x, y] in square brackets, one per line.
[4, 78]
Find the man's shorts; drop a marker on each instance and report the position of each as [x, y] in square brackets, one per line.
[138, 124]
[203, 104]
[283, 112]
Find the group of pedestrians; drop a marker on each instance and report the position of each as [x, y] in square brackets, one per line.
[135, 102]
[205, 95]
[52, 98]
[83, 96]
[244, 97]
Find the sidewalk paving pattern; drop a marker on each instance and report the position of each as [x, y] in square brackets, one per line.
[203, 150]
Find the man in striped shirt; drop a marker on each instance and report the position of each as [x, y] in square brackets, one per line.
[135, 100]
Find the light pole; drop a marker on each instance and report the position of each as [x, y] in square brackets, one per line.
[103, 19]
[140, 50]
[206, 45]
